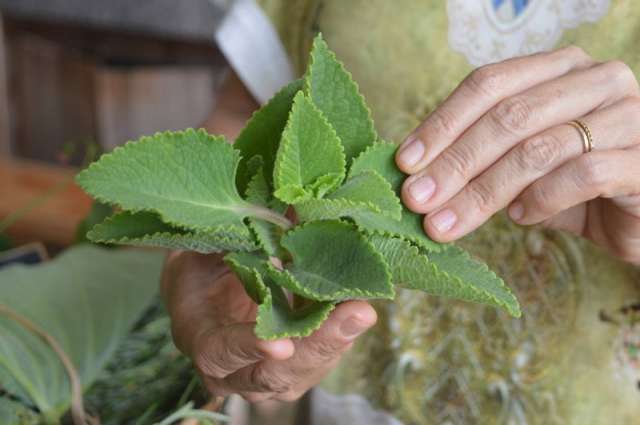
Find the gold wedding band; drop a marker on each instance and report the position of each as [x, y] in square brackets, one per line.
[585, 133]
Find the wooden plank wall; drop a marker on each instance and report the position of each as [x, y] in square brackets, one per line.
[52, 97]
[132, 102]
[5, 123]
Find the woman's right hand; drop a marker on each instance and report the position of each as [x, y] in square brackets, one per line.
[212, 322]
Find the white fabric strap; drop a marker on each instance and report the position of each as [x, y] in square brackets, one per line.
[251, 44]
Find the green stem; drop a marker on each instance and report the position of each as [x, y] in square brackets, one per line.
[271, 216]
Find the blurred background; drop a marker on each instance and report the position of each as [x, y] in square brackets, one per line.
[81, 76]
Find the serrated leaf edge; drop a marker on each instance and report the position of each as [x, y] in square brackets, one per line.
[361, 99]
[283, 145]
[371, 147]
[397, 203]
[339, 294]
[247, 245]
[485, 268]
[150, 139]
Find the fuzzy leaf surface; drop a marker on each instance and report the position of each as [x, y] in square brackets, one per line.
[332, 261]
[187, 177]
[309, 150]
[261, 136]
[333, 90]
[275, 318]
[147, 229]
[258, 193]
[369, 187]
[452, 273]
[380, 158]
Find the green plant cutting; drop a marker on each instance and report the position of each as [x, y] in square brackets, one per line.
[305, 202]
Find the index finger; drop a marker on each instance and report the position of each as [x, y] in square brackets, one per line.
[480, 91]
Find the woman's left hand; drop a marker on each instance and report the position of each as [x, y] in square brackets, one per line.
[501, 139]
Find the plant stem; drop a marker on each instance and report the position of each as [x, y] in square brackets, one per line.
[271, 216]
[77, 406]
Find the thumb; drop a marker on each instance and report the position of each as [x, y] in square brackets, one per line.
[218, 352]
[348, 321]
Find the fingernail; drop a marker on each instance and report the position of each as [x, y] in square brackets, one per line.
[411, 152]
[444, 220]
[352, 327]
[422, 189]
[516, 211]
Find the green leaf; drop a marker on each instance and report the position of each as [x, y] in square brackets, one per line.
[187, 177]
[369, 187]
[98, 213]
[87, 299]
[249, 268]
[332, 261]
[334, 92]
[309, 150]
[13, 413]
[380, 158]
[451, 273]
[275, 318]
[147, 229]
[267, 234]
[261, 136]
[409, 227]
[332, 209]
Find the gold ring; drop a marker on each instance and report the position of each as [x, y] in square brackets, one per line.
[585, 133]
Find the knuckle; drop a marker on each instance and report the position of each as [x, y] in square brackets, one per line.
[576, 52]
[620, 73]
[458, 161]
[324, 352]
[208, 363]
[256, 397]
[632, 105]
[291, 396]
[487, 80]
[539, 153]
[443, 123]
[512, 115]
[481, 195]
[269, 382]
[540, 200]
[593, 172]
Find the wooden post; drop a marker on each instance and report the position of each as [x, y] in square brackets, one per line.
[5, 133]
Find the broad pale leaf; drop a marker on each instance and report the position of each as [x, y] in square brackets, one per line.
[13, 413]
[332, 261]
[334, 92]
[452, 273]
[261, 136]
[87, 299]
[147, 229]
[187, 177]
[309, 150]
[275, 318]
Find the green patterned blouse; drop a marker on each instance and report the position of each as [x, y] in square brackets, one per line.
[574, 356]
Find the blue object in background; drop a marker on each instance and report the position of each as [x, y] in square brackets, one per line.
[518, 5]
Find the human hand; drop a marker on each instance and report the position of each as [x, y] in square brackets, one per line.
[212, 322]
[501, 139]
